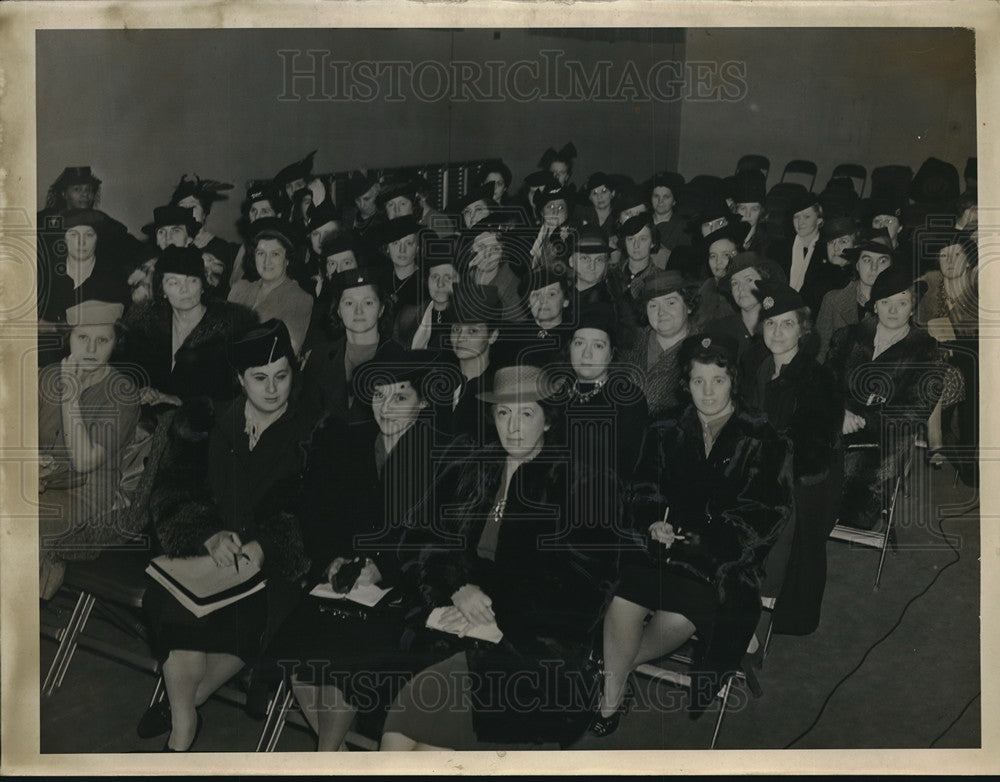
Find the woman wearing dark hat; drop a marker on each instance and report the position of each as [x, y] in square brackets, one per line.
[483, 260]
[294, 177]
[749, 193]
[262, 200]
[476, 205]
[535, 554]
[365, 216]
[179, 337]
[891, 375]
[710, 494]
[75, 188]
[548, 294]
[720, 246]
[664, 189]
[361, 481]
[555, 205]
[498, 176]
[600, 190]
[638, 239]
[603, 398]
[589, 258]
[331, 363]
[671, 305]
[402, 241]
[849, 305]
[199, 195]
[172, 226]
[745, 269]
[80, 452]
[439, 275]
[83, 270]
[475, 324]
[802, 258]
[269, 287]
[560, 165]
[322, 222]
[225, 489]
[803, 403]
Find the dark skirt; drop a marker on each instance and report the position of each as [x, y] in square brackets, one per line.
[237, 629]
[670, 589]
[436, 708]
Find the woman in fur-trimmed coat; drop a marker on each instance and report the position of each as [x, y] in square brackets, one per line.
[229, 477]
[199, 365]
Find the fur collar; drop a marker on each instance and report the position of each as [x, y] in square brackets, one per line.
[152, 320]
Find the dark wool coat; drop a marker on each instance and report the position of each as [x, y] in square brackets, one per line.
[894, 393]
[326, 377]
[201, 364]
[839, 309]
[209, 481]
[804, 404]
[735, 501]
[556, 562]
[661, 382]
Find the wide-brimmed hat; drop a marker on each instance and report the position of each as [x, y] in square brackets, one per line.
[735, 232]
[261, 346]
[802, 200]
[394, 188]
[481, 193]
[661, 282]
[323, 213]
[892, 280]
[340, 243]
[392, 363]
[835, 227]
[94, 218]
[359, 183]
[589, 240]
[274, 227]
[541, 179]
[520, 384]
[93, 312]
[77, 175]
[875, 240]
[776, 298]
[181, 260]
[300, 169]
[708, 346]
[397, 228]
[937, 181]
[172, 215]
[749, 187]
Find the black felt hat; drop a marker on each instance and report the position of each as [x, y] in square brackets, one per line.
[598, 179]
[776, 298]
[936, 181]
[601, 316]
[77, 175]
[181, 260]
[262, 345]
[359, 183]
[671, 180]
[393, 363]
[749, 187]
[395, 188]
[398, 227]
[892, 280]
[301, 169]
[708, 346]
[172, 215]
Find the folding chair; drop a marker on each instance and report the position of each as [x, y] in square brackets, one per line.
[805, 168]
[858, 173]
[754, 163]
[885, 535]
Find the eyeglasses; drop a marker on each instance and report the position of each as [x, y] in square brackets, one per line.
[602, 190]
[554, 208]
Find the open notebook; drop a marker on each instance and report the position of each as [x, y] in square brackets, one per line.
[368, 595]
[201, 586]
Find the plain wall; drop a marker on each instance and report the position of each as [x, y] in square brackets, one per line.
[144, 106]
[867, 96]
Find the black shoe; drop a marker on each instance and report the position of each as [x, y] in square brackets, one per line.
[605, 726]
[155, 721]
[197, 732]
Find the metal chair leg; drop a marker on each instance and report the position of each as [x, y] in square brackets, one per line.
[890, 518]
[67, 645]
[722, 710]
[274, 721]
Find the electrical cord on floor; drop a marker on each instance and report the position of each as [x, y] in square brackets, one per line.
[890, 631]
[955, 721]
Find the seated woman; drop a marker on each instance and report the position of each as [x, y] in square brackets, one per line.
[710, 494]
[721, 246]
[181, 336]
[361, 480]
[803, 403]
[950, 310]
[641, 245]
[401, 240]
[439, 276]
[228, 495]
[87, 415]
[331, 363]
[885, 367]
[601, 214]
[555, 205]
[262, 200]
[199, 195]
[849, 305]
[560, 165]
[603, 399]
[745, 269]
[533, 551]
[749, 195]
[485, 259]
[269, 285]
[664, 189]
[671, 306]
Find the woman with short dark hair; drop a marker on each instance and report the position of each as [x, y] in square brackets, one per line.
[711, 491]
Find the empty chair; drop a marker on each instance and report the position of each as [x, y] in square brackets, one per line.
[858, 173]
[803, 168]
[754, 163]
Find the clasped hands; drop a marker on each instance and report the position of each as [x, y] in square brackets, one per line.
[470, 607]
[227, 550]
[664, 532]
[369, 575]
